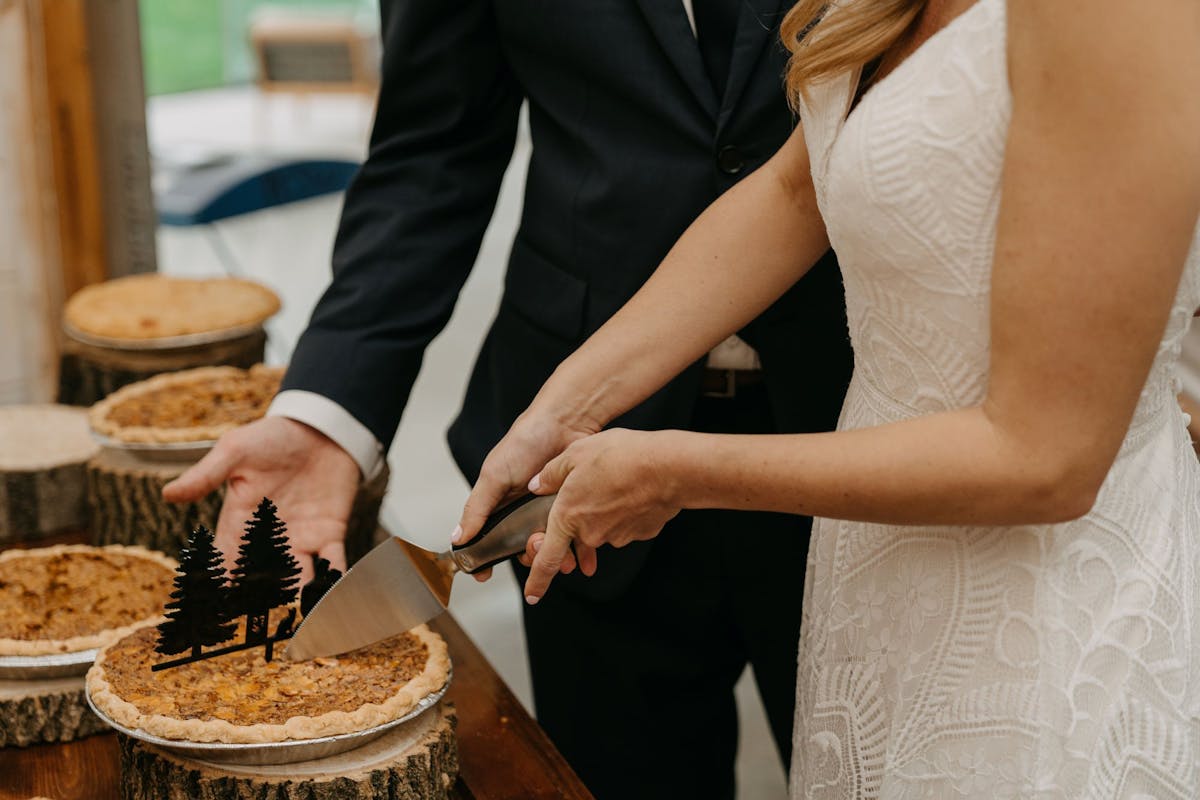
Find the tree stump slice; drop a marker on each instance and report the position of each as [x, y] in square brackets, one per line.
[415, 761]
[125, 506]
[43, 481]
[89, 373]
[50, 710]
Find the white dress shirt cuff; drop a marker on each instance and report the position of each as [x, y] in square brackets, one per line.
[733, 353]
[318, 411]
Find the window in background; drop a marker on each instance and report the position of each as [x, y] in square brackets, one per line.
[188, 45]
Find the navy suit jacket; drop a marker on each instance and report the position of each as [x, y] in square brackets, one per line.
[630, 144]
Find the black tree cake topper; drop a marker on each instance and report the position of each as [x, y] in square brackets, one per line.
[206, 602]
[265, 574]
[195, 615]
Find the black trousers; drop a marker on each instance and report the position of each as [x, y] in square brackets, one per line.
[637, 691]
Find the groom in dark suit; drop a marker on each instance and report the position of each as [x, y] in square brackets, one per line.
[642, 112]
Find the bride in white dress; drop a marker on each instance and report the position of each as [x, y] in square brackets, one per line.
[1002, 593]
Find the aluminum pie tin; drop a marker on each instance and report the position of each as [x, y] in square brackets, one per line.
[163, 342]
[51, 665]
[158, 451]
[271, 753]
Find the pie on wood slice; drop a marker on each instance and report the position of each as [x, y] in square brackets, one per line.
[194, 405]
[69, 598]
[145, 307]
[240, 698]
[43, 482]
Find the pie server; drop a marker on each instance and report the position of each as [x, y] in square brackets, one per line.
[398, 585]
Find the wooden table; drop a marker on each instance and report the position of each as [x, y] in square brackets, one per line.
[502, 751]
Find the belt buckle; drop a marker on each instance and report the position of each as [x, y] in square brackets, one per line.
[730, 389]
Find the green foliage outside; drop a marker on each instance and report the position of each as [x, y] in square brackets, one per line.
[202, 44]
[182, 45]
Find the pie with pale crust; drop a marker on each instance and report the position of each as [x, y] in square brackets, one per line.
[193, 405]
[69, 598]
[144, 307]
[240, 698]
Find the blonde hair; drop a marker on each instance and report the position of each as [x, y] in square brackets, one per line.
[824, 45]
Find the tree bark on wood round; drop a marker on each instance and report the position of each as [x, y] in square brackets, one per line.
[49, 710]
[89, 373]
[43, 481]
[34, 503]
[125, 506]
[125, 503]
[416, 761]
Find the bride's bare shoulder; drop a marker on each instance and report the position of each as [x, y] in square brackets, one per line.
[1101, 51]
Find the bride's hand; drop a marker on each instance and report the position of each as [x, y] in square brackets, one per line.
[533, 440]
[612, 489]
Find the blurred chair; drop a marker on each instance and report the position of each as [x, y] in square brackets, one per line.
[303, 52]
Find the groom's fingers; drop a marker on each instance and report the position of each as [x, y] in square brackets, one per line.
[587, 558]
[555, 549]
[576, 556]
[205, 476]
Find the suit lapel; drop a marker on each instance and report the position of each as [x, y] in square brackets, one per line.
[670, 25]
[757, 25]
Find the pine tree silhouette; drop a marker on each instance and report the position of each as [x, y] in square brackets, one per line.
[197, 614]
[265, 574]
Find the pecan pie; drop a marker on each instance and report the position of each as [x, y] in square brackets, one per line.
[142, 307]
[194, 405]
[69, 598]
[241, 698]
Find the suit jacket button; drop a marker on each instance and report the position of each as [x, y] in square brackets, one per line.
[729, 160]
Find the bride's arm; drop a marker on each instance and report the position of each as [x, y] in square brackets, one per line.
[741, 254]
[733, 261]
[1101, 193]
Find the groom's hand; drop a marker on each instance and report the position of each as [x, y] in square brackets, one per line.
[310, 479]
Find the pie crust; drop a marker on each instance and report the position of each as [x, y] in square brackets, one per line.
[194, 405]
[240, 698]
[144, 307]
[68, 598]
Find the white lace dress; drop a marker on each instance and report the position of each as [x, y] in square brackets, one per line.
[1049, 661]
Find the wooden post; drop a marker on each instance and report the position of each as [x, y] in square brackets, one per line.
[96, 124]
[60, 31]
[31, 291]
[76, 206]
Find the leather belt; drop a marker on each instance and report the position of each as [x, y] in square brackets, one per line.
[727, 382]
